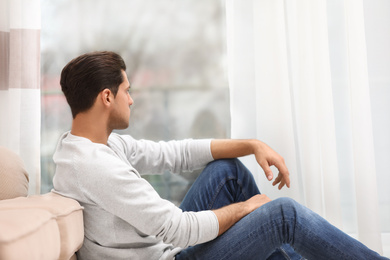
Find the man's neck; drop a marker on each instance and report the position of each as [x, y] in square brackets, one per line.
[94, 129]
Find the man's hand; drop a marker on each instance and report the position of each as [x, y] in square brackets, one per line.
[229, 215]
[265, 156]
[256, 202]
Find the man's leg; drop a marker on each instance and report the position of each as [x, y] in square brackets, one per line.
[221, 183]
[224, 182]
[279, 222]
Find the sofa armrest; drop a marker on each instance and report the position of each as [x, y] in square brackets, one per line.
[28, 234]
[66, 212]
[13, 175]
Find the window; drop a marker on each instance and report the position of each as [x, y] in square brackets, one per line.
[175, 54]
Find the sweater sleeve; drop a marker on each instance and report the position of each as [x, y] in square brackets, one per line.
[120, 191]
[150, 157]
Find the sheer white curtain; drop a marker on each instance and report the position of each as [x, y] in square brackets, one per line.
[20, 84]
[306, 77]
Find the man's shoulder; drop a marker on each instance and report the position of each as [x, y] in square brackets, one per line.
[81, 150]
[115, 137]
[119, 142]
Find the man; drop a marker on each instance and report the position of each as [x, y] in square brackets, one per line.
[223, 216]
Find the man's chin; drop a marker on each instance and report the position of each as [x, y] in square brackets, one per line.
[122, 127]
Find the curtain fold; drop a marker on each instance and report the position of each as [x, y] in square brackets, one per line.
[361, 122]
[298, 77]
[20, 83]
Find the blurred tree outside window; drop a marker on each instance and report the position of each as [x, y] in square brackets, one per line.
[175, 53]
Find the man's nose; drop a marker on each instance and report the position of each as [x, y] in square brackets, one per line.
[131, 101]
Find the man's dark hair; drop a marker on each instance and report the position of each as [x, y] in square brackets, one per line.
[83, 78]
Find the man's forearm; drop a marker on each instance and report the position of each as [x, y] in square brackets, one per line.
[229, 215]
[265, 156]
[231, 148]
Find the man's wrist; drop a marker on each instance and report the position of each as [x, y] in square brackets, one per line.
[227, 216]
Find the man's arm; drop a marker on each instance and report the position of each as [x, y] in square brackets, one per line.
[264, 155]
[229, 215]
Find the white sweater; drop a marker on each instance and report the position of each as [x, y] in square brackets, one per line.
[124, 217]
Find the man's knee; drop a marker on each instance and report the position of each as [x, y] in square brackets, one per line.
[223, 166]
[232, 172]
[228, 163]
[285, 201]
[230, 169]
[284, 205]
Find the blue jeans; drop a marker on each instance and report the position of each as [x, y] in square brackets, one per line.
[280, 229]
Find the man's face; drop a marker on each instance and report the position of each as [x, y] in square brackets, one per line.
[121, 106]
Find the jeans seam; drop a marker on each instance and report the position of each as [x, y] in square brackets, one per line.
[219, 188]
[326, 245]
[242, 190]
[284, 253]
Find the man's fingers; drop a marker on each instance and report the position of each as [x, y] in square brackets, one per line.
[282, 180]
[277, 180]
[281, 185]
[283, 177]
[267, 170]
[283, 173]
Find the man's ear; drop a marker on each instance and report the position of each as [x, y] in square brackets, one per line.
[106, 97]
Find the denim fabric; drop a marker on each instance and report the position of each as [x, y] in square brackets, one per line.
[280, 229]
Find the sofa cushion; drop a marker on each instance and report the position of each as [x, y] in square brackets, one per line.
[69, 215]
[66, 211]
[28, 234]
[13, 176]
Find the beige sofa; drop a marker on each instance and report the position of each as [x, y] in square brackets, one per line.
[47, 226]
